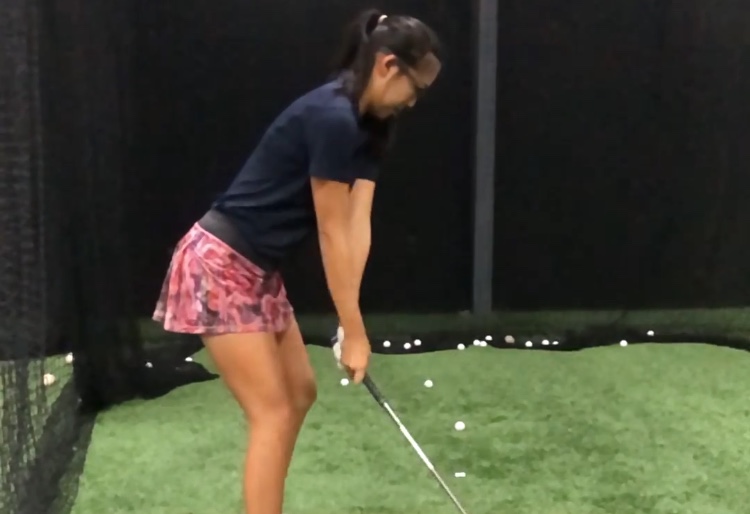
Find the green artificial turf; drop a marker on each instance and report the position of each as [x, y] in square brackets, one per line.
[644, 429]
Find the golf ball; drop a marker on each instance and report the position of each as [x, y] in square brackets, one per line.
[623, 343]
[461, 347]
[545, 342]
[529, 344]
[188, 359]
[459, 425]
[488, 338]
[344, 381]
[69, 358]
[650, 332]
[48, 379]
[407, 346]
[417, 342]
[510, 339]
[476, 342]
[460, 474]
[428, 383]
[387, 344]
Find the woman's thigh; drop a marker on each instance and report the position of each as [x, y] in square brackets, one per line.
[251, 365]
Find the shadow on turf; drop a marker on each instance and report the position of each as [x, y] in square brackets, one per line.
[172, 354]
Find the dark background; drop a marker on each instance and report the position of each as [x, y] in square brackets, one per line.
[620, 177]
[622, 157]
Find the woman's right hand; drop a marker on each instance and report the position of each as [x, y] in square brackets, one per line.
[355, 355]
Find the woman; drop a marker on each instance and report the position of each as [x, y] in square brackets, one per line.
[315, 168]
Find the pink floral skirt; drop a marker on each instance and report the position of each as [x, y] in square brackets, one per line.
[212, 289]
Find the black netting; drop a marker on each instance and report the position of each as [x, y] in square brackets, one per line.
[70, 345]
[26, 402]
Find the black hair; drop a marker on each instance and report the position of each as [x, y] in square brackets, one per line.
[372, 31]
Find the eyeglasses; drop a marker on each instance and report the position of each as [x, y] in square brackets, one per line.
[419, 89]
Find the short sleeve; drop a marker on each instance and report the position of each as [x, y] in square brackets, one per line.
[333, 140]
[366, 168]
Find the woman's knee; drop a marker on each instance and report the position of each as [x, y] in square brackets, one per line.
[300, 376]
[282, 415]
[305, 395]
[287, 412]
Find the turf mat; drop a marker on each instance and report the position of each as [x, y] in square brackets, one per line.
[644, 429]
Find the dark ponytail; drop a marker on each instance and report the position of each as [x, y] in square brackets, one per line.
[355, 37]
[372, 31]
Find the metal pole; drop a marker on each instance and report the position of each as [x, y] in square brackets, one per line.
[484, 161]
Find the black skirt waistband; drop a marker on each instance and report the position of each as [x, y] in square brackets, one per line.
[217, 224]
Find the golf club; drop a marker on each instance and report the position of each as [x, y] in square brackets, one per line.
[378, 396]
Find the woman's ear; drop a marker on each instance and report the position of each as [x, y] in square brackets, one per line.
[384, 63]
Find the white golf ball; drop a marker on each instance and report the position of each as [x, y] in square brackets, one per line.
[407, 346]
[482, 343]
[510, 339]
[476, 342]
[344, 382]
[555, 343]
[529, 344]
[623, 343]
[460, 474]
[461, 347]
[488, 338]
[387, 344]
[545, 342]
[188, 359]
[428, 383]
[69, 358]
[460, 425]
[48, 379]
[149, 365]
[417, 342]
[650, 333]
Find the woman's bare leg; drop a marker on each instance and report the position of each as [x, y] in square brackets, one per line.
[252, 367]
[298, 373]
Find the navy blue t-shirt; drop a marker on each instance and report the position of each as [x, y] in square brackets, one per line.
[270, 200]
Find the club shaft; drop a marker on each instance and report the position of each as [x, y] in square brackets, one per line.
[449, 492]
[375, 392]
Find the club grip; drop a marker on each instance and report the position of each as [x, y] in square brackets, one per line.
[367, 381]
[374, 391]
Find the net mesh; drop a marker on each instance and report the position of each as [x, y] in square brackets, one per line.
[26, 402]
[70, 345]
